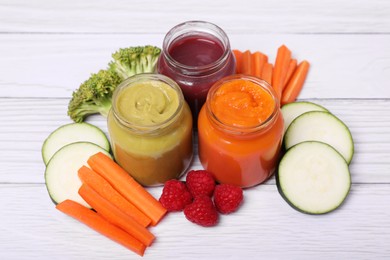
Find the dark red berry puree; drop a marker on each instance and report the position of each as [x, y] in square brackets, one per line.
[195, 51]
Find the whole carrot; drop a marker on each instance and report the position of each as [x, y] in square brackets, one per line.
[100, 225]
[295, 84]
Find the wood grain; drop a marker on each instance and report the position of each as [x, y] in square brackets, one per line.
[55, 65]
[265, 227]
[251, 16]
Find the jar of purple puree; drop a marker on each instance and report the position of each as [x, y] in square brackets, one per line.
[196, 54]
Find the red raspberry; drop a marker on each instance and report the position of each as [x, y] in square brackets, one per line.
[200, 182]
[227, 198]
[175, 195]
[202, 211]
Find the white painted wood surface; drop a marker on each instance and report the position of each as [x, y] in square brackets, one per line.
[47, 48]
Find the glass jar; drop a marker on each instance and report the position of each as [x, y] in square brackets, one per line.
[196, 54]
[235, 145]
[150, 128]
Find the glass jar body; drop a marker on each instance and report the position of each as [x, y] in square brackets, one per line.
[195, 55]
[241, 158]
[152, 154]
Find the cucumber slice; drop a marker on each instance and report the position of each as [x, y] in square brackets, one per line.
[313, 178]
[61, 175]
[321, 126]
[292, 110]
[71, 133]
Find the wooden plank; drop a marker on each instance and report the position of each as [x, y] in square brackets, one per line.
[265, 226]
[303, 16]
[55, 65]
[27, 122]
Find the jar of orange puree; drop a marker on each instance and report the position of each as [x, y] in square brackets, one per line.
[240, 131]
[150, 128]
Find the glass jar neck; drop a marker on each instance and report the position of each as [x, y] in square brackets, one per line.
[199, 29]
[242, 131]
[154, 129]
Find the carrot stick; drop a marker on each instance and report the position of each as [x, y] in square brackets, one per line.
[279, 75]
[99, 224]
[115, 215]
[267, 73]
[238, 56]
[246, 67]
[121, 181]
[258, 61]
[101, 186]
[295, 84]
[291, 68]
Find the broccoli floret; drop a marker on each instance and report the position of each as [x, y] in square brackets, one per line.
[94, 95]
[134, 60]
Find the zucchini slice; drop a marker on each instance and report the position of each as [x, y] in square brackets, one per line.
[321, 126]
[313, 178]
[292, 110]
[61, 175]
[71, 133]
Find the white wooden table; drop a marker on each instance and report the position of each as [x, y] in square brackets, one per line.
[47, 48]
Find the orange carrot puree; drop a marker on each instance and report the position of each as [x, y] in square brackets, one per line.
[240, 131]
[242, 103]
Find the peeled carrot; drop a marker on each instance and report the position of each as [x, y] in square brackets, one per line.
[258, 61]
[267, 73]
[103, 187]
[282, 63]
[130, 189]
[238, 56]
[246, 67]
[295, 84]
[115, 216]
[99, 224]
[291, 68]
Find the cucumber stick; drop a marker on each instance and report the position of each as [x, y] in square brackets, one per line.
[313, 177]
[61, 175]
[71, 133]
[321, 126]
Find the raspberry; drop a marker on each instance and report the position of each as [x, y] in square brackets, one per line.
[202, 211]
[200, 182]
[175, 195]
[227, 198]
